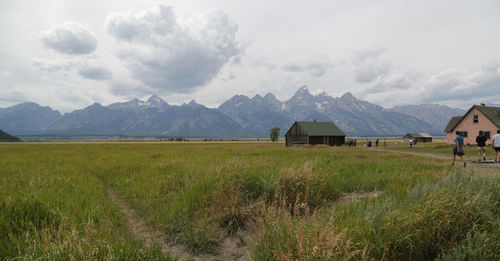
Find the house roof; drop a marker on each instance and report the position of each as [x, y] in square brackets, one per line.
[492, 113]
[420, 135]
[453, 123]
[320, 128]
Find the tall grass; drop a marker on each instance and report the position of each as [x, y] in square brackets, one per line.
[454, 219]
[201, 193]
[51, 208]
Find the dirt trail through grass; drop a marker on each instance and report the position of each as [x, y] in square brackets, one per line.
[230, 249]
[446, 157]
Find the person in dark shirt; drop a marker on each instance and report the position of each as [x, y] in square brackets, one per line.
[481, 145]
[458, 150]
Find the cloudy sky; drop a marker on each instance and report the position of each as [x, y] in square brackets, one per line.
[70, 54]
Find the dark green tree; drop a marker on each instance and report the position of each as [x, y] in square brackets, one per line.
[274, 134]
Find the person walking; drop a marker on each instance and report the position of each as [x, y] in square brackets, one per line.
[376, 143]
[481, 145]
[415, 142]
[385, 143]
[458, 150]
[411, 143]
[496, 145]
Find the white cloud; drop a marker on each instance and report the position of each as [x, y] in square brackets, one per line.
[454, 84]
[368, 67]
[170, 54]
[54, 66]
[12, 97]
[452, 87]
[95, 72]
[317, 66]
[69, 38]
[129, 88]
[88, 68]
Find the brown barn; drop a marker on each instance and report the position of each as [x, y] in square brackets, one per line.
[420, 136]
[313, 132]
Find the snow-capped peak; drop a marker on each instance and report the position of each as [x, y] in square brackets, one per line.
[303, 89]
[347, 95]
[154, 101]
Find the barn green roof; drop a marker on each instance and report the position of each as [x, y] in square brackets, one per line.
[320, 128]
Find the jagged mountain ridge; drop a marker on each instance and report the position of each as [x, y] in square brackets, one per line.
[237, 117]
[153, 117]
[27, 118]
[437, 115]
[353, 116]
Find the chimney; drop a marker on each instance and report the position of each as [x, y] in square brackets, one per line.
[314, 120]
[482, 105]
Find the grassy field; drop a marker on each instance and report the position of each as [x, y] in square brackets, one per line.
[316, 203]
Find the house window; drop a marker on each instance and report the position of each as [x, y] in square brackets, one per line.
[462, 133]
[476, 118]
[487, 134]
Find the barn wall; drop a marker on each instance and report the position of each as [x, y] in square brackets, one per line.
[424, 139]
[328, 140]
[296, 130]
[336, 140]
[316, 140]
[295, 140]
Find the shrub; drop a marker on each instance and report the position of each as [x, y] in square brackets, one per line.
[282, 236]
[301, 189]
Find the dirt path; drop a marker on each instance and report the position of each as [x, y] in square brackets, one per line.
[445, 157]
[230, 250]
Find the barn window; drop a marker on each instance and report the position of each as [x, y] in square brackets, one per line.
[476, 118]
[462, 133]
[487, 134]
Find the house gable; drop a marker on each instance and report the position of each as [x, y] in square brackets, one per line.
[470, 126]
[490, 113]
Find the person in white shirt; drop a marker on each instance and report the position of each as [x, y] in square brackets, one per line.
[496, 145]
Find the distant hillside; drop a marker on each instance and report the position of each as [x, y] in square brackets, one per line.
[152, 117]
[435, 114]
[5, 137]
[27, 118]
[239, 116]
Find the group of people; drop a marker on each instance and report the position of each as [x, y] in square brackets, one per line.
[350, 143]
[413, 143]
[368, 143]
[481, 139]
[377, 140]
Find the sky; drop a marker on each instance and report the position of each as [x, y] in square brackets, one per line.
[71, 54]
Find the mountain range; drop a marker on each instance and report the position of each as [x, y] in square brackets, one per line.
[239, 116]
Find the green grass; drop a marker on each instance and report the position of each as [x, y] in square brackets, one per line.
[51, 207]
[456, 218]
[57, 203]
